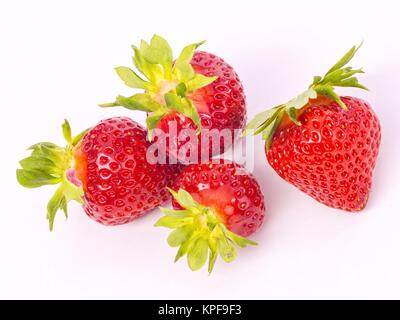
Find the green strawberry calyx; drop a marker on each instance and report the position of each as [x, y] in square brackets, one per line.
[339, 75]
[167, 84]
[199, 233]
[50, 164]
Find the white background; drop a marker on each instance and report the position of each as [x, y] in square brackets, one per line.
[56, 61]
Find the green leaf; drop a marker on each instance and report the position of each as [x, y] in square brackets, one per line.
[35, 178]
[335, 77]
[152, 72]
[302, 99]
[180, 235]
[212, 244]
[316, 79]
[183, 249]
[140, 101]
[240, 241]
[173, 192]
[291, 112]
[351, 82]
[175, 102]
[72, 192]
[64, 207]
[226, 249]
[158, 52]
[48, 145]
[40, 164]
[51, 152]
[199, 81]
[184, 72]
[154, 60]
[192, 113]
[351, 72]
[182, 69]
[144, 46]
[153, 119]
[176, 213]
[184, 199]
[186, 55]
[79, 137]
[48, 164]
[258, 121]
[267, 122]
[56, 202]
[268, 126]
[338, 76]
[197, 255]
[197, 228]
[328, 91]
[173, 222]
[184, 106]
[345, 59]
[59, 201]
[131, 79]
[269, 131]
[47, 160]
[66, 129]
[181, 89]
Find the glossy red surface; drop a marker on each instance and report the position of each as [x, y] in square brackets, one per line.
[232, 192]
[120, 185]
[332, 155]
[221, 105]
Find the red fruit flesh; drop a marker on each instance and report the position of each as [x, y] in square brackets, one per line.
[120, 185]
[232, 193]
[221, 105]
[223, 100]
[332, 155]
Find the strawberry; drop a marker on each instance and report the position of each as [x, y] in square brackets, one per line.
[216, 205]
[105, 169]
[324, 144]
[198, 92]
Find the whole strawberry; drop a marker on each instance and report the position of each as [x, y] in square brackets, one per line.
[104, 168]
[196, 102]
[216, 205]
[324, 144]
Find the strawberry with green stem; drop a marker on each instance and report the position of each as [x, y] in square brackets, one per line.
[324, 144]
[198, 91]
[215, 206]
[50, 164]
[104, 168]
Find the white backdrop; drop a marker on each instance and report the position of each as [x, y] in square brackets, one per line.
[56, 61]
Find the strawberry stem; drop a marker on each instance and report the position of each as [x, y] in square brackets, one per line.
[51, 164]
[337, 76]
[199, 233]
[166, 84]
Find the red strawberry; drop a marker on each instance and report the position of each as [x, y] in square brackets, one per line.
[199, 91]
[106, 170]
[324, 144]
[216, 205]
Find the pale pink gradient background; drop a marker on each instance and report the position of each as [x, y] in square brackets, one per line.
[56, 61]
